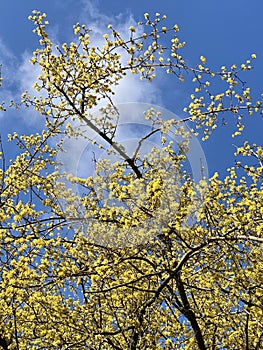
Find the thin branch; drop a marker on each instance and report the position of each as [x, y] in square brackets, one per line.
[141, 141]
[189, 314]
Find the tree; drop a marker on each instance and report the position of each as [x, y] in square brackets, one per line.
[189, 276]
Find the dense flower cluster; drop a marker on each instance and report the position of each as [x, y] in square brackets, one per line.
[189, 276]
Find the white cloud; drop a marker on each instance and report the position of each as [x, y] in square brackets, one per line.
[18, 75]
[27, 74]
[131, 89]
[8, 64]
[98, 21]
[6, 54]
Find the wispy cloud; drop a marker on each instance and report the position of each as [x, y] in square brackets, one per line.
[8, 62]
[5, 52]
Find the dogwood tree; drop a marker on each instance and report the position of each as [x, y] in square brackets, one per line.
[144, 258]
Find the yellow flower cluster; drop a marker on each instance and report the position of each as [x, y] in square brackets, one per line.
[144, 258]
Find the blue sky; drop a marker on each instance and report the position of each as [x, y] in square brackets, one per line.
[225, 32]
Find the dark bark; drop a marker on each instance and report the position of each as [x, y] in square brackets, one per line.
[189, 314]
